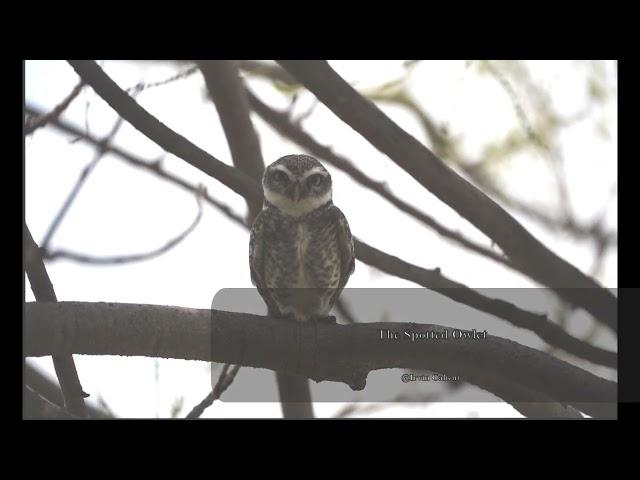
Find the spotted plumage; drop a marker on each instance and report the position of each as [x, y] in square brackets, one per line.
[301, 249]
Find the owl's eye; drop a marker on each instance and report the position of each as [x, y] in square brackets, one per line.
[315, 180]
[280, 176]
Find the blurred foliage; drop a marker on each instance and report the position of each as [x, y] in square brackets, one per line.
[176, 407]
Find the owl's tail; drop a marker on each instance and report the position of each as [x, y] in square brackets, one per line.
[295, 396]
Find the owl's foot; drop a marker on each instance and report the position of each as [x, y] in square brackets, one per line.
[329, 320]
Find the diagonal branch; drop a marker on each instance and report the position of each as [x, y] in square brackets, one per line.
[518, 244]
[227, 375]
[321, 352]
[43, 291]
[227, 90]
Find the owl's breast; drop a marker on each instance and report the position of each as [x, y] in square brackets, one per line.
[302, 266]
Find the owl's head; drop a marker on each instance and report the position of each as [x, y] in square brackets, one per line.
[297, 184]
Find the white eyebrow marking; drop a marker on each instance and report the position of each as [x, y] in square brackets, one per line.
[284, 169]
[313, 171]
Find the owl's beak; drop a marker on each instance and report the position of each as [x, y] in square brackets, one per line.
[296, 191]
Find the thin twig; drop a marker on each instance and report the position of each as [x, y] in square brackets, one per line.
[139, 87]
[102, 149]
[130, 258]
[42, 120]
[224, 381]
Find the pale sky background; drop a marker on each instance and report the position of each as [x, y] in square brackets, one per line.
[122, 209]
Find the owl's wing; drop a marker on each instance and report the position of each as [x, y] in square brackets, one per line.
[256, 258]
[347, 251]
[256, 262]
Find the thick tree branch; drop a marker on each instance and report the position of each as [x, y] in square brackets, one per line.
[417, 160]
[317, 351]
[227, 90]
[43, 292]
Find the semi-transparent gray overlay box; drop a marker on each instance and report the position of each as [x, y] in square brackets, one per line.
[423, 307]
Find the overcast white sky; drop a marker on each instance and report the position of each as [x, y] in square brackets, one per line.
[122, 209]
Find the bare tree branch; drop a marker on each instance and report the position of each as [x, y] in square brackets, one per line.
[187, 72]
[417, 160]
[314, 350]
[44, 292]
[227, 376]
[227, 90]
[42, 120]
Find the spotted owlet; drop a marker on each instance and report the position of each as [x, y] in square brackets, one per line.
[301, 250]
